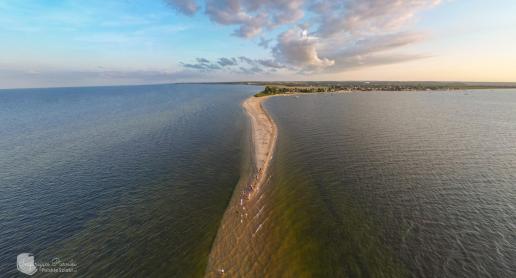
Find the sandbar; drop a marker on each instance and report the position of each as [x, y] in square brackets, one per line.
[237, 247]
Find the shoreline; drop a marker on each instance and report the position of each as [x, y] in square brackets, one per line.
[241, 226]
[414, 91]
[237, 249]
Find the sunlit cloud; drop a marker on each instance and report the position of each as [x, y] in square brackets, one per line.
[223, 40]
[320, 36]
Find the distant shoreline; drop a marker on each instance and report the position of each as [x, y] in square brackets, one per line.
[302, 88]
[443, 85]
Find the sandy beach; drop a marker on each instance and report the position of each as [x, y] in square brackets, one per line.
[234, 251]
[263, 135]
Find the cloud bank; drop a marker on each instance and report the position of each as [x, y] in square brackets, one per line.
[313, 36]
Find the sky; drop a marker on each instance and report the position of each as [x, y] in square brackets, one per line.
[51, 43]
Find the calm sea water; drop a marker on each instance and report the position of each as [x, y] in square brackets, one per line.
[394, 184]
[133, 181]
[125, 181]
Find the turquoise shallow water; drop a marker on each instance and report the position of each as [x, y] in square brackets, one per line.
[395, 184]
[126, 181]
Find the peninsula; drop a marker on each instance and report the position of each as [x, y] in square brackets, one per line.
[296, 87]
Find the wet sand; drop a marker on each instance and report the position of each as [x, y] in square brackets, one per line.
[238, 249]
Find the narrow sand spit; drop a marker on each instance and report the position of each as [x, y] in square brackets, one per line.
[264, 133]
[237, 249]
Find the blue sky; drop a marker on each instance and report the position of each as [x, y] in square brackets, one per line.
[75, 43]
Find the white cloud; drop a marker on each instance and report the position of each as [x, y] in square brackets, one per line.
[322, 35]
[253, 16]
[295, 47]
[367, 16]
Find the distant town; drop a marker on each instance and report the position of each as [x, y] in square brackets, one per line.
[275, 88]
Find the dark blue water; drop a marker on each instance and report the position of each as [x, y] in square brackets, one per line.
[121, 180]
[390, 184]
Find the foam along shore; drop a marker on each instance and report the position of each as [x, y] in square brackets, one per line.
[235, 249]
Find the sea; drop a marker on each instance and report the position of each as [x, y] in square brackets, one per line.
[133, 181]
[394, 184]
[120, 181]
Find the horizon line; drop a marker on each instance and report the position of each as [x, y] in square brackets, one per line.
[264, 82]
